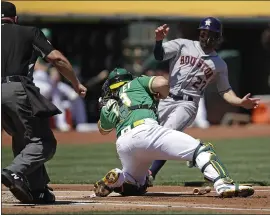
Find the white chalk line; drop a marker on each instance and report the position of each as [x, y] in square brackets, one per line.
[193, 206]
[183, 192]
[88, 194]
[62, 191]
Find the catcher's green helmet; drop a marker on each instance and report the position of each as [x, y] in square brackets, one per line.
[119, 77]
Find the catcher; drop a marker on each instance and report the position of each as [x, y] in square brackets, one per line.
[129, 106]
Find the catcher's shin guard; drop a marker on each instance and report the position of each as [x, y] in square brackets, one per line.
[208, 162]
[106, 185]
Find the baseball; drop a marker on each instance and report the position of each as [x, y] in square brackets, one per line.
[208, 189]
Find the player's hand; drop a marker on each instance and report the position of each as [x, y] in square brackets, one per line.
[80, 89]
[161, 32]
[249, 103]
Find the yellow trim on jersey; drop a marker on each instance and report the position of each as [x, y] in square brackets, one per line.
[119, 84]
[103, 129]
[138, 122]
[150, 84]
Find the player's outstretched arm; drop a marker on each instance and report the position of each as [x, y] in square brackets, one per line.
[227, 93]
[166, 50]
[161, 32]
[160, 85]
[245, 102]
[159, 51]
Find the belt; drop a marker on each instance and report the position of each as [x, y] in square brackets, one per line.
[128, 128]
[8, 79]
[134, 107]
[181, 97]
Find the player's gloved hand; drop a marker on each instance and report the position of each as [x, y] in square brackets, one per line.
[100, 102]
[161, 32]
[105, 94]
[105, 90]
[249, 103]
[110, 103]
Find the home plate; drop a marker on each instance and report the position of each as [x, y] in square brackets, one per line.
[110, 195]
[113, 194]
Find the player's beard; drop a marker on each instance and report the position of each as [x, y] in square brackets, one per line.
[207, 44]
[208, 40]
[203, 43]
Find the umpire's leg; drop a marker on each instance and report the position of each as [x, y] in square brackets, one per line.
[29, 151]
[33, 141]
[17, 183]
[40, 147]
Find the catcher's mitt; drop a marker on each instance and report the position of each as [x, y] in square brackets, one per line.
[105, 94]
[105, 90]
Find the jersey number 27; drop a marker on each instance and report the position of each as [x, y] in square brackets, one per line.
[199, 84]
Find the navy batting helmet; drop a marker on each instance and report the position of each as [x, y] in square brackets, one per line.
[215, 27]
[211, 24]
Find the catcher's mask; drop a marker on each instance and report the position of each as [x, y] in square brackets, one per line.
[118, 77]
[210, 32]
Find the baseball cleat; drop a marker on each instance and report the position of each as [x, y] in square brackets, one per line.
[234, 190]
[190, 164]
[101, 187]
[44, 196]
[150, 179]
[17, 186]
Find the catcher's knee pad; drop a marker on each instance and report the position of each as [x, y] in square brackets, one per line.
[128, 189]
[208, 162]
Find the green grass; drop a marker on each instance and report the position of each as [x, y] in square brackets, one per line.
[248, 160]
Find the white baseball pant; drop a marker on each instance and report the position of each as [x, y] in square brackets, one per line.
[139, 147]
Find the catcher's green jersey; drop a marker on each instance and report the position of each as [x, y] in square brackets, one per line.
[118, 114]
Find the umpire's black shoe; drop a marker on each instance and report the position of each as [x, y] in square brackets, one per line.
[45, 196]
[17, 185]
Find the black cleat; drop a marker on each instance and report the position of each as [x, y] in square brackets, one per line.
[17, 185]
[45, 196]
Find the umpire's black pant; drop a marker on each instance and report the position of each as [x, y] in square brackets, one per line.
[33, 142]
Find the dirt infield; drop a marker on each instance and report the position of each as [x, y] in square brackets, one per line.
[212, 133]
[77, 198]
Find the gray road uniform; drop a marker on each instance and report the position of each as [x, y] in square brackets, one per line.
[190, 71]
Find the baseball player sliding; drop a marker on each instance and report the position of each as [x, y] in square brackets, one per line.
[131, 109]
[193, 65]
